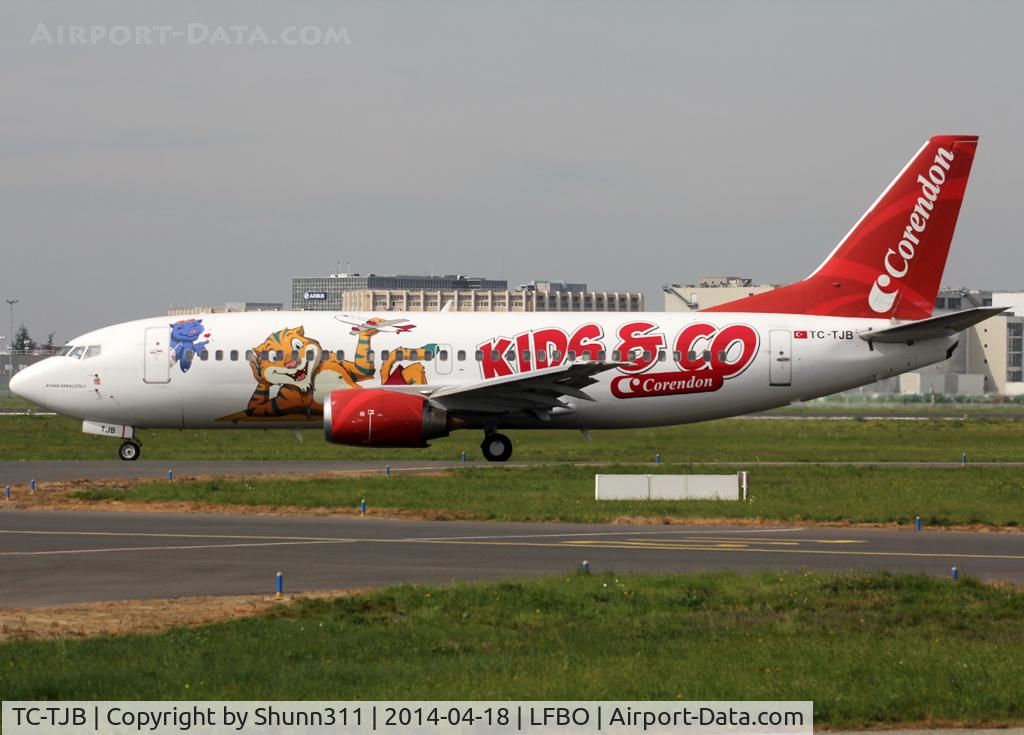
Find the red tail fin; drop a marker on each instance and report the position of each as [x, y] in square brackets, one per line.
[891, 262]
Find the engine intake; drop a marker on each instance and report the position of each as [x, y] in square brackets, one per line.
[374, 417]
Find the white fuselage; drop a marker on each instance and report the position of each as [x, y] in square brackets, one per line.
[137, 377]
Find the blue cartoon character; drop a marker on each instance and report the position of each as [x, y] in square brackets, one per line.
[183, 341]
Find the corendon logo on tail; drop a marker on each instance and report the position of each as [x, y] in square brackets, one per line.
[897, 260]
[703, 356]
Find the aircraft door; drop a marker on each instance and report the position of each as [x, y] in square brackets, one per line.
[156, 366]
[443, 360]
[780, 349]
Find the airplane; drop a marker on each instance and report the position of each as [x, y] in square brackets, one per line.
[864, 314]
[361, 324]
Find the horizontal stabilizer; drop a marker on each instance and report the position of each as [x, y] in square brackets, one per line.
[938, 326]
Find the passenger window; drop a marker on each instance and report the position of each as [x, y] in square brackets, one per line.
[77, 352]
[399, 355]
[601, 355]
[692, 355]
[369, 355]
[428, 355]
[615, 356]
[234, 355]
[677, 355]
[541, 355]
[250, 356]
[556, 355]
[707, 356]
[92, 351]
[188, 356]
[443, 355]
[722, 354]
[340, 355]
[647, 356]
[479, 356]
[218, 355]
[461, 355]
[264, 355]
[526, 355]
[570, 356]
[384, 354]
[204, 355]
[310, 354]
[414, 355]
[295, 355]
[495, 355]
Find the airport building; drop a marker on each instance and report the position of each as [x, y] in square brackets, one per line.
[326, 293]
[711, 291]
[228, 308]
[353, 292]
[492, 301]
[988, 359]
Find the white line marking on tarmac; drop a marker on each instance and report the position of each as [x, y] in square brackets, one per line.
[168, 548]
[598, 533]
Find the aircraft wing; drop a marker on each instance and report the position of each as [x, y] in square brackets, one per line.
[937, 326]
[538, 391]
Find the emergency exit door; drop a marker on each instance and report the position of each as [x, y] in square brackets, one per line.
[780, 344]
[156, 361]
[443, 359]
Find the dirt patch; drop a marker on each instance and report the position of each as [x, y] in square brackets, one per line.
[139, 617]
[59, 495]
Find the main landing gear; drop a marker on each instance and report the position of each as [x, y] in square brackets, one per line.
[130, 450]
[496, 447]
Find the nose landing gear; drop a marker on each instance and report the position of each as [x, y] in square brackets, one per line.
[496, 447]
[130, 450]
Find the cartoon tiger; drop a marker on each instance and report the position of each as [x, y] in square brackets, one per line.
[293, 375]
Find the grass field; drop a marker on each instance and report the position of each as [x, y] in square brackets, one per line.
[50, 437]
[868, 649]
[971, 495]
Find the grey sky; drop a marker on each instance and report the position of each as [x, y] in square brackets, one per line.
[624, 144]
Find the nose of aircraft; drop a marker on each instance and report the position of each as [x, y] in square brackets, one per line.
[28, 384]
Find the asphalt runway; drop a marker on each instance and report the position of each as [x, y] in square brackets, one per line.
[51, 558]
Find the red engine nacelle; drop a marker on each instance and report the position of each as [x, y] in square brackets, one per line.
[373, 417]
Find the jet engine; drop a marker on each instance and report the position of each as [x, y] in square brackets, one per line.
[374, 417]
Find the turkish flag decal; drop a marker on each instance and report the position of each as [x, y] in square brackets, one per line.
[800, 334]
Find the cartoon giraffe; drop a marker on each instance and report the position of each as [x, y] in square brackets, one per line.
[363, 368]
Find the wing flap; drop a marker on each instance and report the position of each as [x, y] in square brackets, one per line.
[539, 391]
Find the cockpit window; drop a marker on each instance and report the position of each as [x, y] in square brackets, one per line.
[92, 351]
[77, 352]
[65, 350]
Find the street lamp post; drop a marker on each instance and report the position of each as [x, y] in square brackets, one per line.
[10, 342]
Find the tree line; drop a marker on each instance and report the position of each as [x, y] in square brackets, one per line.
[23, 341]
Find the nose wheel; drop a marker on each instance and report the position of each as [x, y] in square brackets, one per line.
[130, 451]
[496, 447]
